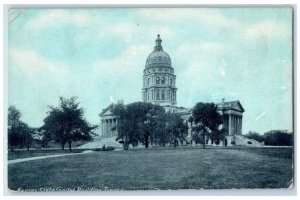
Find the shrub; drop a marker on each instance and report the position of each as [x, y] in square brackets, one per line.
[233, 142]
[249, 142]
[108, 149]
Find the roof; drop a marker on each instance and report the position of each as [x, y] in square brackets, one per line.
[106, 109]
[158, 57]
[231, 105]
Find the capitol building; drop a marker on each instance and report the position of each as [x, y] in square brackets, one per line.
[159, 87]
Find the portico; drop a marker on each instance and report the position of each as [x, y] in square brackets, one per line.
[108, 122]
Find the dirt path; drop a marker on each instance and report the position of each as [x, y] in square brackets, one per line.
[43, 157]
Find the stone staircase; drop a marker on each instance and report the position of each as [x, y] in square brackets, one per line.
[100, 142]
[244, 141]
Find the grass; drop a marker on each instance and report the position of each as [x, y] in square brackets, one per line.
[158, 169]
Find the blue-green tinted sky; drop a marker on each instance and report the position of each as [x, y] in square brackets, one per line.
[99, 55]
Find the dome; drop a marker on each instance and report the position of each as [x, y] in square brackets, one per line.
[158, 57]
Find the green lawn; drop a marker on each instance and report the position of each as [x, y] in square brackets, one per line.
[159, 169]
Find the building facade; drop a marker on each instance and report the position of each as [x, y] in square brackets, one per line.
[159, 87]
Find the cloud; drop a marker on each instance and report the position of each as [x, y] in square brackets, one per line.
[203, 48]
[211, 16]
[268, 30]
[57, 17]
[125, 64]
[32, 64]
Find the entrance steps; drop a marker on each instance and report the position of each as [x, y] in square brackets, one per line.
[241, 140]
[100, 142]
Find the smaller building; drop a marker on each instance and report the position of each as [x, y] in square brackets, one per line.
[109, 122]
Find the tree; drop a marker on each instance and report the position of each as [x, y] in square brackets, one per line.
[66, 123]
[154, 124]
[197, 135]
[218, 135]
[278, 138]
[176, 128]
[137, 122]
[27, 134]
[14, 135]
[19, 133]
[44, 137]
[206, 119]
[255, 136]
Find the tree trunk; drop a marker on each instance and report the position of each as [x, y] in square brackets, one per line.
[125, 145]
[70, 145]
[63, 146]
[203, 136]
[146, 140]
[28, 146]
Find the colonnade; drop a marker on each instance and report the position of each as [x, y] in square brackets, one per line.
[107, 125]
[235, 124]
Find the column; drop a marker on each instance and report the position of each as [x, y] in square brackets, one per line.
[235, 125]
[106, 128]
[229, 124]
[236, 119]
[114, 125]
[241, 128]
[110, 126]
[102, 127]
[233, 132]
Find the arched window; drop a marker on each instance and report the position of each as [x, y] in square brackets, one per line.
[157, 95]
[162, 95]
[148, 81]
[157, 80]
[162, 80]
[171, 81]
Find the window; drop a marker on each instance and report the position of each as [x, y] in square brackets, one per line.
[157, 80]
[157, 95]
[151, 94]
[162, 95]
[171, 81]
[148, 81]
[162, 80]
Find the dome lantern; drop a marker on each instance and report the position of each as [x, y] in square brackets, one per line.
[158, 46]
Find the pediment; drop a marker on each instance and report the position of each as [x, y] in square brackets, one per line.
[107, 111]
[238, 106]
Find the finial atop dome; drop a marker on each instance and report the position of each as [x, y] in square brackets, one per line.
[158, 46]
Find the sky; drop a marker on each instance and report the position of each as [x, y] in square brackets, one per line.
[99, 55]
